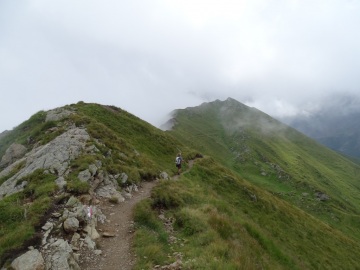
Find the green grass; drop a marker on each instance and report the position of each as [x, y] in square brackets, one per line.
[223, 228]
[20, 213]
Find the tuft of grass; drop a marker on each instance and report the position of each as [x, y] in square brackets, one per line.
[20, 213]
[114, 200]
[74, 185]
[166, 195]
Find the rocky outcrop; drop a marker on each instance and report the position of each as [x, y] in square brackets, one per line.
[102, 184]
[57, 114]
[54, 156]
[13, 153]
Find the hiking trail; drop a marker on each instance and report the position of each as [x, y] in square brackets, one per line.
[119, 225]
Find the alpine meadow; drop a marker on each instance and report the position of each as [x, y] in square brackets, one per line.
[253, 192]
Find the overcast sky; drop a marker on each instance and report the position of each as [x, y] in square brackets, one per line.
[150, 57]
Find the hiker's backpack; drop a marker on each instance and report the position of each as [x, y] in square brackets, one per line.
[178, 160]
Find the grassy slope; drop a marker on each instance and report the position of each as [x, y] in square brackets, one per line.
[219, 225]
[294, 167]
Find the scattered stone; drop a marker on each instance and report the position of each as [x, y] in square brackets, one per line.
[97, 252]
[48, 225]
[108, 234]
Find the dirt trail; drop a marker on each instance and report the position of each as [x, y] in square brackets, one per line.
[116, 251]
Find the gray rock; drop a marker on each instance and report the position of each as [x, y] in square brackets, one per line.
[56, 215]
[73, 201]
[92, 149]
[124, 177]
[108, 234]
[61, 183]
[126, 195]
[98, 164]
[108, 191]
[164, 175]
[79, 212]
[54, 156]
[91, 231]
[31, 260]
[57, 114]
[93, 169]
[84, 176]
[61, 257]
[48, 225]
[71, 225]
[321, 196]
[14, 152]
[97, 252]
[90, 243]
[75, 241]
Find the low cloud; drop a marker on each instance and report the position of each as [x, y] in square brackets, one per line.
[152, 57]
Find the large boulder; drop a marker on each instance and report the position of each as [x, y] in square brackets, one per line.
[13, 153]
[31, 260]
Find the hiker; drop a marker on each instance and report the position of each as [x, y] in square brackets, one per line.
[178, 162]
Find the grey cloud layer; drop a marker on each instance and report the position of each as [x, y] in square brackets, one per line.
[152, 57]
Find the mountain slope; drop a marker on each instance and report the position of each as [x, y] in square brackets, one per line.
[257, 196]
[276, 158]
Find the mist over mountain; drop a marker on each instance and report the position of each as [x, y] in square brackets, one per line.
[333, 122]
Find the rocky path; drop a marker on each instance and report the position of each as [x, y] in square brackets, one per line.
[116, 249]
